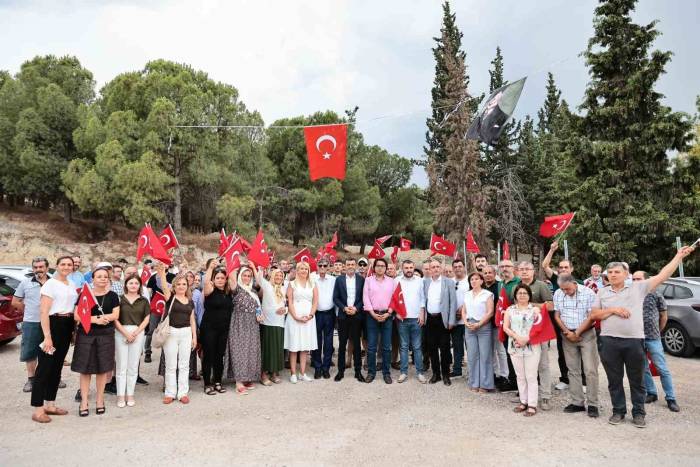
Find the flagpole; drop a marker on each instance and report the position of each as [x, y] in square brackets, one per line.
[498, 253]
[566, 250]
[681, 273]
[464, 248]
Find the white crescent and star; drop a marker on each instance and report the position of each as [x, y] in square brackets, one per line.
[165, 239]
[323, 138]
[559, 225]
[145, 240]
[435, 245]
[538, 320]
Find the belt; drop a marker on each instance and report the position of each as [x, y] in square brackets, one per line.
[380, 312]
[325, 311]
[62, 315]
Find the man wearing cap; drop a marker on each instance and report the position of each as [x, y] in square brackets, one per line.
[325, 322]
[362, 267]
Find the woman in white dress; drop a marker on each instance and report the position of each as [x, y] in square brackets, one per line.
[300, 327]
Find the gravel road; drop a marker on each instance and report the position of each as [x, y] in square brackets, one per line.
[347, 423]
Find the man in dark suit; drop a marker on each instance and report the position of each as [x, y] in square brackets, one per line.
[441, 308]
[347, 296]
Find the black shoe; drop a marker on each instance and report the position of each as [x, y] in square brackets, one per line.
[593, 411]
[638, 421]
[455, 375]
[447, 381]
[147, 358]
[317, 373]
[508, 386]
[78, 396]
[141, 381]
[387, 379]
[339, 376]
[360, 378]
[426, 365]
[573, 408]
[395, 365]
[673, 406]
[651, 398]
[434, 379]
[111, 388]
[616, 419]
[369, 378]
[326, 374]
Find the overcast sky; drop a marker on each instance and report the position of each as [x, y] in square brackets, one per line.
[290, 58]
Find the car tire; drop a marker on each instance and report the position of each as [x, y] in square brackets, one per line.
[7, 341]
[676, 340]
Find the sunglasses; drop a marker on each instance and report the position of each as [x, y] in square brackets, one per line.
[322, 265]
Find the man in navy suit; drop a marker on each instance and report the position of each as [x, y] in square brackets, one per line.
[347, 296]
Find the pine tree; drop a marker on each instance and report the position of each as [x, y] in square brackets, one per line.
[624, 137]
[453, 170]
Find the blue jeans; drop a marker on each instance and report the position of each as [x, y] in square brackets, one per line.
[410, 333]
[325, 321]
[374, 329]
[480, 357]
[656, 350]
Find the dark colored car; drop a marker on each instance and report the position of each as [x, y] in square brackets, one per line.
[10, 319]
[682, 333]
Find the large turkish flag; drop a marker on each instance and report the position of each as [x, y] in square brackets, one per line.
[326, 147]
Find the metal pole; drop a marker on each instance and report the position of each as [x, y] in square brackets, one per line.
[566, 250]
[681, 274]
[498, 253]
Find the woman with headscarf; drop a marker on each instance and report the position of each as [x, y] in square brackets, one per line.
[242, 360]
[274, 310]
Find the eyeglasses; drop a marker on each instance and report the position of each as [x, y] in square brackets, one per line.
[322, 265]
[637, 279]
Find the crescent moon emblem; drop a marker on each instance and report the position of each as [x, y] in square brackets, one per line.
[165, 238]
[538, 320]
[325, 138]
[305, 259]
[145, 240]
[435, 245]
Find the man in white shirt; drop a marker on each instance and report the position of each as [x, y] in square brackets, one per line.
[347, 297]
[410, 328]
[441, 308]
[457, 333]
[325, 322]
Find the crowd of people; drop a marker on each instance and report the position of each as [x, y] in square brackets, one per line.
[250, 325]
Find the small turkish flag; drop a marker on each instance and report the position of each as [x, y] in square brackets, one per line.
[397, 303]
[223, 242]
[325, 148]
[158, 304]
[472, 247]
[380, 241]
[86, 302]
[259, 253]
[168, 239]
[652, 368]
[501, 306]
[232, 255]
[149, 243]
[555, 225]
[376, 252]
[542, 329]
[145, 275]
[440, 246]
[506, 250]
[332, 244]
[246, 245]
[405, 244]
[306, 256]
[394, 254]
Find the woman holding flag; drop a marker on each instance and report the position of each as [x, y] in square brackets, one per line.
[94, 350]
[274, 309]
[214, 326]
[518, 321]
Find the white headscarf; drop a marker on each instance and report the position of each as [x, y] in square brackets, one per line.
[248, 288]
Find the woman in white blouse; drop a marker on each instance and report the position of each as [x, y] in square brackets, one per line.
[477, 312]
[274, 309]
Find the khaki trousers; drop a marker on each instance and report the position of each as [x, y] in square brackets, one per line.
[574, 352]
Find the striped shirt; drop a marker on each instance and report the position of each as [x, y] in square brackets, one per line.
[574, 310]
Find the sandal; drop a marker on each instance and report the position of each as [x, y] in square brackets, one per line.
[219, 388]
[520, 408]
[83, 412]
[56, 411]
[242, 391]
[100, 410]
[209, 390]
[531, 412]
[276, 379]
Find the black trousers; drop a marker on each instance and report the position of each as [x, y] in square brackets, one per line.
[350, 327]
[620, 355]
[438, 344]
[457, 338]
[214, 339]
[48, 370]
[563, 369]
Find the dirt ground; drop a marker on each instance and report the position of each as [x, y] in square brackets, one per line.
[346, 423]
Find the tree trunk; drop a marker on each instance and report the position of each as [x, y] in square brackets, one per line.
[177, 211]
[296, 237]
[67, 212]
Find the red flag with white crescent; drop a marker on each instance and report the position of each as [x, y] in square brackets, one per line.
[326, 150]
[223, 242]
[397, 303]
[86, 302]
[168, 239]
[440, 246]
[232, 255]
[501, 306]
[376, 252]
[306, 256]
[149, 243]
[394, 254]
[380, 241]
[405, 244]
[555, 225]
[259, 252]
[158, 304]
[145, 275]
[542, 329]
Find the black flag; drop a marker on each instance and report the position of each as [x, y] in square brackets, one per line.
[488, 124]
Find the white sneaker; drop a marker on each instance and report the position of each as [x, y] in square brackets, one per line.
[304, 377]
[403, 377]
[422, 379]
[561, 386]
[293, 379]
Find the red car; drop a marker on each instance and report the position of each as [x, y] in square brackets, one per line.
[10, 319]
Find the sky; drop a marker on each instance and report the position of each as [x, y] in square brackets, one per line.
[290, 58]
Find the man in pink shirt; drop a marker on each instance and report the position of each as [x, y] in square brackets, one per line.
[376, 297]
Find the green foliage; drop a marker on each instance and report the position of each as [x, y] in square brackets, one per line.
[234, 212]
